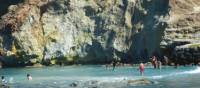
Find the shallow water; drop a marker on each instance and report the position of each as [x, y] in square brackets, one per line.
[62, 77]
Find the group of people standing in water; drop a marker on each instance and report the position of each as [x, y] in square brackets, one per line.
[155, 63]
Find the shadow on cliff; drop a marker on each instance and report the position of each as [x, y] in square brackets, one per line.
[7, 39]
[5, 30]
[4, 4]
[8, 59]
[148, 29]
[97, 53]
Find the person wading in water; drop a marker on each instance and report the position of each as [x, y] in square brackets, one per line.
[154, 62]
[114, 64]
[141, 68]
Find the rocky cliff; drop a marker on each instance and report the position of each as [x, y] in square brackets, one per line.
[95, 31]
[181, 39]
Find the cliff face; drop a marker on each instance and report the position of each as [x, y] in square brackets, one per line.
[91, 31]
[181, 39]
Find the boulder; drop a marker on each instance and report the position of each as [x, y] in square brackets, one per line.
[139, 82]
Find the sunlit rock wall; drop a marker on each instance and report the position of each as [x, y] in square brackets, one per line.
[85, 31]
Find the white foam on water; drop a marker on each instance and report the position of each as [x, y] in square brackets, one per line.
[195, 71]
[89, 78]
[158, 77]
[11, 80]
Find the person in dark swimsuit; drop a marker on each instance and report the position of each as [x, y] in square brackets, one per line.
[154, 62]
[114, 64]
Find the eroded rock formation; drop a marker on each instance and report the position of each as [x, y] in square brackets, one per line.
[96, 31]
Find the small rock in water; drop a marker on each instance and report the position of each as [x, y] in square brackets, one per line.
[91, 84]
[93, 87]
[4, 86]
[94, 82]
[74, 84]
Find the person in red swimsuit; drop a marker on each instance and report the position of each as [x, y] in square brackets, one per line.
[141, 68]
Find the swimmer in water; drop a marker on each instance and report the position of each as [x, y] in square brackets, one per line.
[141, 68]
[29, 77]
[3, 80]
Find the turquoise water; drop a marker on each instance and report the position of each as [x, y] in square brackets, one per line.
[62, 77]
